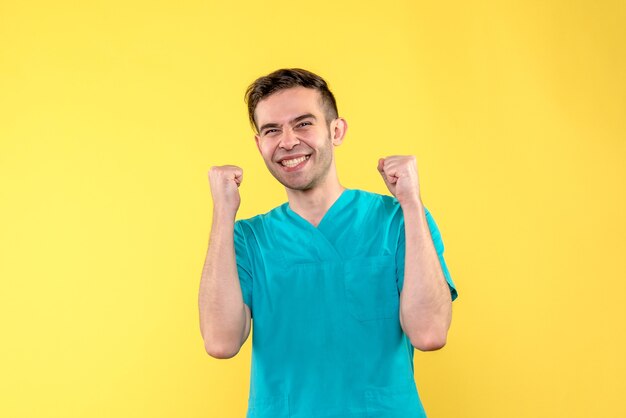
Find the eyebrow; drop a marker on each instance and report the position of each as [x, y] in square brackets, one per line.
[294, 120]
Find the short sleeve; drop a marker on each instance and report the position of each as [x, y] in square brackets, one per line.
[244, 264]
[438, 243]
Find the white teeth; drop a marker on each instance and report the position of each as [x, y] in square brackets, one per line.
[294, 162]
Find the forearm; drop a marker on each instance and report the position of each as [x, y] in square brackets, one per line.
[425, 301]
[222, 313]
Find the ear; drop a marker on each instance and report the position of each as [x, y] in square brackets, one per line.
[338, 129]
[256, 140]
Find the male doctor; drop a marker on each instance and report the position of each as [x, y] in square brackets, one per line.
[342, 284]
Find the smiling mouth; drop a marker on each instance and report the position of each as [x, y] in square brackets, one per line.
[295, 161]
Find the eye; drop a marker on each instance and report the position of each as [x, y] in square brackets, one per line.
[301, 124]
[270, 131]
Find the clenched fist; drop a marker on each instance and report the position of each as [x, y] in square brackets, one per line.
[225, 181]
[400, 175]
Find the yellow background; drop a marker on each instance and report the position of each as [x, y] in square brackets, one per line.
[112, 112]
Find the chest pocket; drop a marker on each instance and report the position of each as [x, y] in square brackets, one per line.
[371, 289]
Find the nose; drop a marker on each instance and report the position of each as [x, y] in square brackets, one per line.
[288, 139]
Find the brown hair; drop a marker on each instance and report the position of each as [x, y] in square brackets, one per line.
[286, 78]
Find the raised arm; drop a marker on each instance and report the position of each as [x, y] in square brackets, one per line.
[425, 300]
[224, 317]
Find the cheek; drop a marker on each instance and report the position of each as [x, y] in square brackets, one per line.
[267, 150]
[312, 137]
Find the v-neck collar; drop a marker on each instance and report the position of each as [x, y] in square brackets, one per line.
[337, 205]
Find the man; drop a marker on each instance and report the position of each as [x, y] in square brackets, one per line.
[342, 284]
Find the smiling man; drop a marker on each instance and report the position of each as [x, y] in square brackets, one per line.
[340, 284]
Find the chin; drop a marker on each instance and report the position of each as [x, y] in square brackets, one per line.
[296, 185]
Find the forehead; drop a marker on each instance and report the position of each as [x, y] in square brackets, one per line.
[287, 104]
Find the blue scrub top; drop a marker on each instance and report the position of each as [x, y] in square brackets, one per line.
[326, 338]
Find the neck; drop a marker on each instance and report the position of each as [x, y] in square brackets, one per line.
[313, 204]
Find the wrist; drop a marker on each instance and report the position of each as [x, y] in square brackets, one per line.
[412, 205]
[223, 215]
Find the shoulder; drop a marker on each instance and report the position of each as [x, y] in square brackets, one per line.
[384, 203]
[377, 201]
[247, 226]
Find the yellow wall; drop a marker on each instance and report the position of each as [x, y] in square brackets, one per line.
[112, 112]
